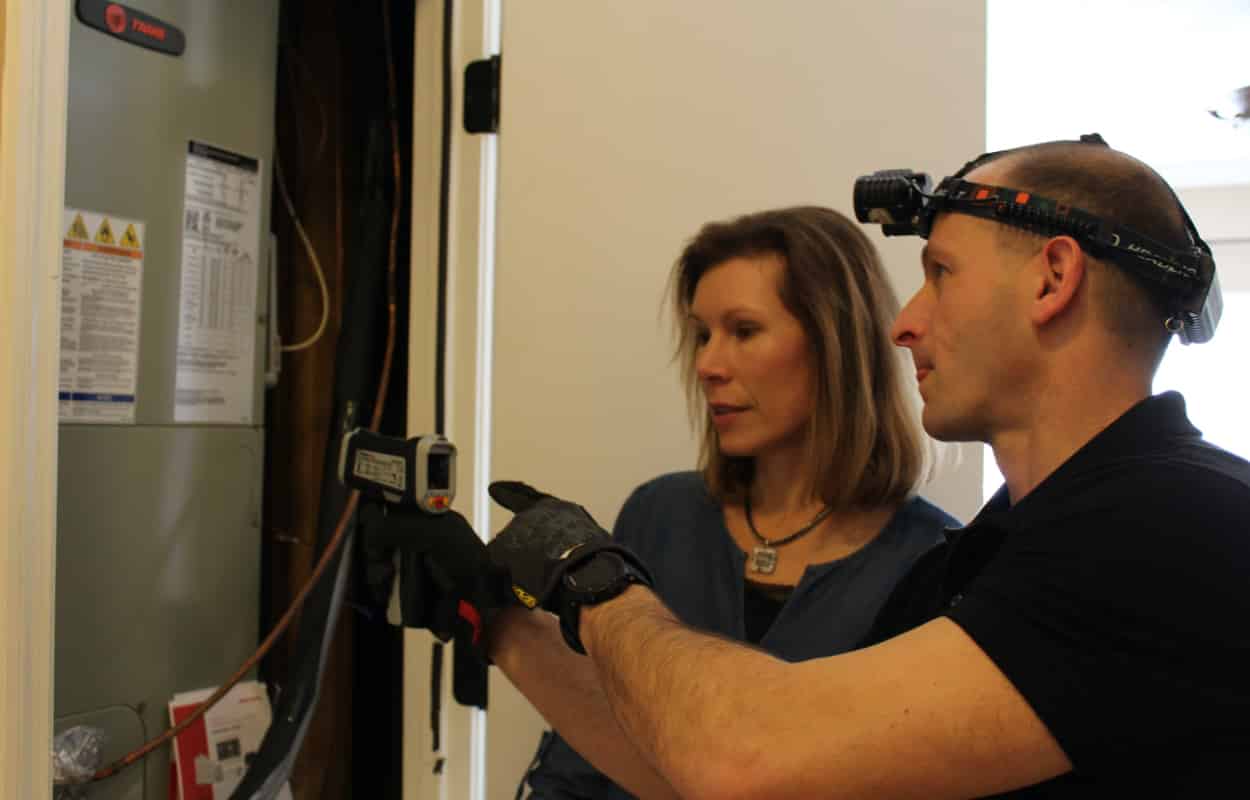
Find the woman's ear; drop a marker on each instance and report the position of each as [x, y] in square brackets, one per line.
[1060, 271]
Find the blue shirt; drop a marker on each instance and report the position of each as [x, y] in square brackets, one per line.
[678, 530]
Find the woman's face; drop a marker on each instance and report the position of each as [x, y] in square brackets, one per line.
[752, 357]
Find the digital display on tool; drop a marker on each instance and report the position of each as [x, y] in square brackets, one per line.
[440, 471]
[420, 471]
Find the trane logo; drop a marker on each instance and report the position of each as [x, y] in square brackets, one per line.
[115, 18]
[147, 29]
[130, 26]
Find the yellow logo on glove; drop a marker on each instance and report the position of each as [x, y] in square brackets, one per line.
[525, 597]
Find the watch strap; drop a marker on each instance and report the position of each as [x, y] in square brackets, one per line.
[632, 571]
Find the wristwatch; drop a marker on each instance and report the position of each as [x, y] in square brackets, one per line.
[599, 577]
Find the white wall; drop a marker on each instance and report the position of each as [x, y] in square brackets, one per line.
[33, 71]
[625, 126]
[1221, 213]
[1148, 72]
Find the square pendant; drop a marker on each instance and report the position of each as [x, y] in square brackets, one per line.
[763, 560]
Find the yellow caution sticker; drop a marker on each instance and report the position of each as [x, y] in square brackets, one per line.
[525, 597]
[104, 234]
[78, 229]
[130, 238]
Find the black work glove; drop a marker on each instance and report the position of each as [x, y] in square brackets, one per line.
[447, 582]
[545, 539]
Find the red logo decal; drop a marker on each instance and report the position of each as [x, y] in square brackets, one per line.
[148, 29]
[115, 18]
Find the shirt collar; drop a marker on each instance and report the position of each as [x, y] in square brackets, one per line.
[1141, 429]
[1146, 426]
[1151, 424]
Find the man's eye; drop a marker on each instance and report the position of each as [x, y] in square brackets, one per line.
[701, 337]
[745, 331]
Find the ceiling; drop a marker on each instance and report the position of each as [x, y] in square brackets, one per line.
[1144, 74]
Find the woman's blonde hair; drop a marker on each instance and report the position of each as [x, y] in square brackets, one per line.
[865, 446]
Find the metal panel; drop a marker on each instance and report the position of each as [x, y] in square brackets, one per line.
[158, 548]
[132, 112]
[158, 569]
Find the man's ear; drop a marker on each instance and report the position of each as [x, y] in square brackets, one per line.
[1060, 270]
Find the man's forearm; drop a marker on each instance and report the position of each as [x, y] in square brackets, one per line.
[680, 695]
[564, 687]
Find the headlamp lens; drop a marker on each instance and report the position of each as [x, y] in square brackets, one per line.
[893, 199]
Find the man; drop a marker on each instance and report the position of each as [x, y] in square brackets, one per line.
[1087, 635]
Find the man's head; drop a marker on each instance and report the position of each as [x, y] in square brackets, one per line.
[1005, 313]
[1117, 187]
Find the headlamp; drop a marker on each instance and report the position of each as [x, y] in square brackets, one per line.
[901, 201]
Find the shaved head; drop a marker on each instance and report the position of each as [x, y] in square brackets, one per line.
[1120, 189]
[1102, 181]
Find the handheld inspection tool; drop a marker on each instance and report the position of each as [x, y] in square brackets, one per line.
[904, 203]
[408, 486]
[420, 471]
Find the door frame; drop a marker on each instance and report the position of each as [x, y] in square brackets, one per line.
[34, 69]
[457, 768]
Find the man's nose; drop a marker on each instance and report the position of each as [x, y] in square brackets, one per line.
[908, 325]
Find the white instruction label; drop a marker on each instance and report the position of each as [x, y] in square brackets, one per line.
[101, 291]
[216, 376]
[382, 468]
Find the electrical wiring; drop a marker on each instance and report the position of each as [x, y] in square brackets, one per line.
[293, 58]
[312, 256]
[396, 174]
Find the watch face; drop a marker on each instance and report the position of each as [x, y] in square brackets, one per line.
[597, 573]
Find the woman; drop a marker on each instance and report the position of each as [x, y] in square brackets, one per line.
[801, 517]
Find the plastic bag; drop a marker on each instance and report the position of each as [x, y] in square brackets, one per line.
[75, 758]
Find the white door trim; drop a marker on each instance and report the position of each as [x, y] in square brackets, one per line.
[457, 768]
[32, 190]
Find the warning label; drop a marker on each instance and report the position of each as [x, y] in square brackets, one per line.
[77, 229]
[101, 288]
[104, 233]
[131, 238]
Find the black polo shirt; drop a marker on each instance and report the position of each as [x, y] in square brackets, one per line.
[1116, 598]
